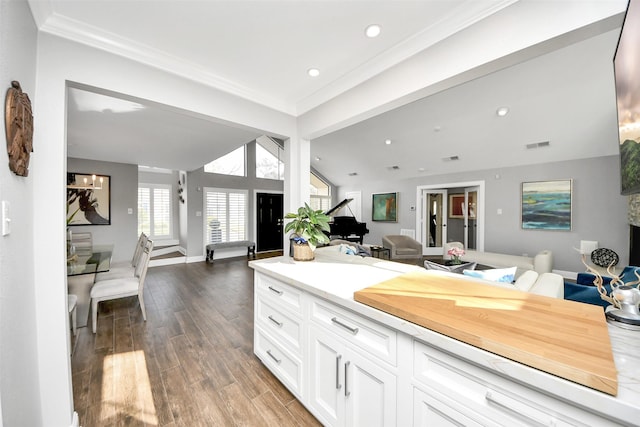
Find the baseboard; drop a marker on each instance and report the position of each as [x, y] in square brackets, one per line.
[167, 250]
[567, 274]
[167, 261]
[75, 421]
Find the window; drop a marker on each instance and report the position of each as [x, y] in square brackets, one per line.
[320, 193]
[269, 156]
[225, 217]
[154, 211]
[229, 164]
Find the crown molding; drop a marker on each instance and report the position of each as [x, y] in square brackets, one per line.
[52, 23]
[465, 15]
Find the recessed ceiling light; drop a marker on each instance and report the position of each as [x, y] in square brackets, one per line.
[373, 30]
[318, 159]
[387, 141]
[502, 111]
[313, 72]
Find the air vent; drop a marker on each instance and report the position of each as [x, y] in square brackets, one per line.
[450, 159]
[353, 173]
[393, 168]
[537, 145]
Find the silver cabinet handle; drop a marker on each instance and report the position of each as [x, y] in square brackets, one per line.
[445, 416]
[277, 291]
[498, 401]
[346, 379]
[338, 385]
[347, 327]
[279, 324]
[278, 361]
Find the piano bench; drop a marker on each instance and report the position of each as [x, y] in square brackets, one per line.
[211, 247]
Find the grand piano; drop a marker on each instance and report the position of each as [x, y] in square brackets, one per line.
[346, 227]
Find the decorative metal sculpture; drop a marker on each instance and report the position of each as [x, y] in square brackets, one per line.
[624, 298]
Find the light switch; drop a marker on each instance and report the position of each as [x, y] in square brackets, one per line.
[499, 212]
[198, 213]
[130, 211]
[6, 221]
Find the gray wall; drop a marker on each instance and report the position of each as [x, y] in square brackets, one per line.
[123, 231]
[199, 179]
[599, 211]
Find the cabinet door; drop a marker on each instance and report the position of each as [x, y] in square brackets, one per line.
[326, 379]
[370, 393]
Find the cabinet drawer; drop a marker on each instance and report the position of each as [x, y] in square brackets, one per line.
[429, 411]
[372, 338]
[280, 324]
[479, 391]
[280, 293]
[281, 363]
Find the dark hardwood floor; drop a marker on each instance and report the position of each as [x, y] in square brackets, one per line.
[190, 364]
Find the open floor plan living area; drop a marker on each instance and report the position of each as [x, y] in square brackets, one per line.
[321, 212]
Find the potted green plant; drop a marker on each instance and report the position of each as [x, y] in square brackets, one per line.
[308, 227]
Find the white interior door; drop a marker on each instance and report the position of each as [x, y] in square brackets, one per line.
[434, 226]
[471, 218]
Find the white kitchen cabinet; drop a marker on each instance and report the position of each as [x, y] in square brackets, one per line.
[346, 388]
[279, 335]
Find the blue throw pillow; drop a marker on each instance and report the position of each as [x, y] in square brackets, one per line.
[505, 275]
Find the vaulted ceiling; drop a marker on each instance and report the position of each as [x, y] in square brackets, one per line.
[262, 50]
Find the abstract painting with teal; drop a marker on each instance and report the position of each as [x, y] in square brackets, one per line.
[546, 205]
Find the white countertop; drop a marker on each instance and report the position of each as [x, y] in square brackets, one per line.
[336, 277]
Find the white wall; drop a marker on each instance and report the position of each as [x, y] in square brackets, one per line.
[19, 371]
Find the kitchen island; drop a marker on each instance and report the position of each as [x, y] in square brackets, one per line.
[351, 364]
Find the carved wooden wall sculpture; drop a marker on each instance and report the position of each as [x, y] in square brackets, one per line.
[19, 127]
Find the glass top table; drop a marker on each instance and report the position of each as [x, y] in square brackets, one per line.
[96, 259]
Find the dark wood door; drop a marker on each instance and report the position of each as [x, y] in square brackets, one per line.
[270, 221]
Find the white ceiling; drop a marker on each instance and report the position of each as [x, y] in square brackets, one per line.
[260, 50]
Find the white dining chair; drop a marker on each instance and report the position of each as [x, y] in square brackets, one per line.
[125, 269]
[72, 301]
[104, 290]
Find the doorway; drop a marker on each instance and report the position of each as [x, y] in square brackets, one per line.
[269, 221]
[450, 212]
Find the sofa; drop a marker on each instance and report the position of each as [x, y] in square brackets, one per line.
[547, 284]
[540, 263]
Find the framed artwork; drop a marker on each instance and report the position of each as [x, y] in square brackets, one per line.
[88, 199]
[456, 205]
[546, 205]
[384, 207]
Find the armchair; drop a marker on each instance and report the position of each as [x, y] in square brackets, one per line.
[402, 247]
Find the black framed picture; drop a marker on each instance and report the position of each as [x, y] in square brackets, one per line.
[88, 199]
[385, 207]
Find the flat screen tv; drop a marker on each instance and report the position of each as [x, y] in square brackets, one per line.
[626, 63]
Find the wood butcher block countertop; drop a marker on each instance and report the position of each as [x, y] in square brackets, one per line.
[564, 338]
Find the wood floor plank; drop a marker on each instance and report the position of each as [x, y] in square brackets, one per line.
[190, 364]
[242, 410]
[183, 407]
[273, 412]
